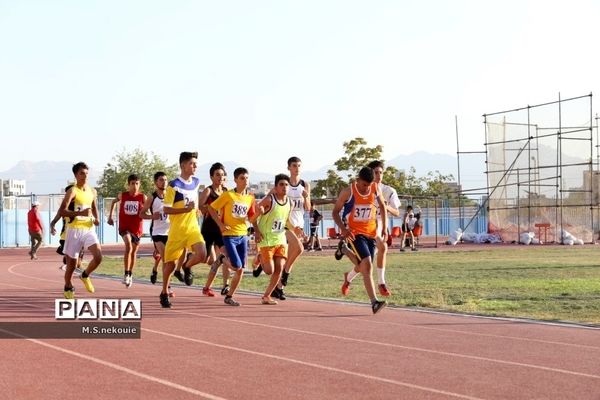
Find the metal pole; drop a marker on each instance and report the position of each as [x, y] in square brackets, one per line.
[460, 214]
[560, 167]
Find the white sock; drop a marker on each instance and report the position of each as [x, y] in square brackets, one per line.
[380, 275]
[351, 275]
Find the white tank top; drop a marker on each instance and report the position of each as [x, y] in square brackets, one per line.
[159, 227]
[297, 203]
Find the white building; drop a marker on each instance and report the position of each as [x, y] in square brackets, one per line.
[13, 187]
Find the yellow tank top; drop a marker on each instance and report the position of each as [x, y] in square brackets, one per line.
[82, 201]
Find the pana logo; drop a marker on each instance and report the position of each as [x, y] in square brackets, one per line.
[98, 309]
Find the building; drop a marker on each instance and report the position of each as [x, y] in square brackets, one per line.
[13, 187]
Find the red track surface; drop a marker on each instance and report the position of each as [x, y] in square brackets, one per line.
[299, 349]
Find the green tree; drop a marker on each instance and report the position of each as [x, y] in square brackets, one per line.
[357, 155]
[114, 177]
[330, 186]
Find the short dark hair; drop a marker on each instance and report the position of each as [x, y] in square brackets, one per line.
[366, 174]
[239, 171]
[158, 175]
[293, 160]
[132, 178]
[187, 156]
[215, 167]
[281, 177]
[78, 167]
[69, 186]
[375, 164]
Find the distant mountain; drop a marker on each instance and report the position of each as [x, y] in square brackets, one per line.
[43, 177]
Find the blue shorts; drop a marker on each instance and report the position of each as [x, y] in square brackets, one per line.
[363, 247]
[237, 250]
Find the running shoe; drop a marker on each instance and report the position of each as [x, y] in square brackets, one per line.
[208, 292]
[63, 267]
[282, 294]
[338, 252]
[128, 281]
[276, 293]
[257, 271]
[153, 277]
[384, 290]
[284, 278]
[188, 276]
[177, 274]
[318, 249]
[378, 305]
[124, 281]
[87, 282]
[225, 290]
[269, 301]
[346, 285]
[171, 292]
[69, 293]
[230, 301]
[164, 300]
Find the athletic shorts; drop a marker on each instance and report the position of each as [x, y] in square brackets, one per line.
[237, 250]
[268, 253]
[176, 245]
[363, 246]
[134, 238]
[160, 238]
[213, 238]
[79, 239]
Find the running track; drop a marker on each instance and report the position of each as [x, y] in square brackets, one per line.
[299, 349]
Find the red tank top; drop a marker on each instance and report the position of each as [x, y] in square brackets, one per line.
[129, 213]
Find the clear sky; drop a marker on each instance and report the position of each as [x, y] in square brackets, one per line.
[258, 81]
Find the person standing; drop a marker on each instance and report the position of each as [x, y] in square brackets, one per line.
[314, 244]
[180, 204]
[131, 225]
[392, 206]
[359, 206]
[36, 229]
[80, 229]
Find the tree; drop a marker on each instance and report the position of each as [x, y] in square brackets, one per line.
[330, 186]
[358, 154]
[114, 177]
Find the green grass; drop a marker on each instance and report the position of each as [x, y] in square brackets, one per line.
[545, 283]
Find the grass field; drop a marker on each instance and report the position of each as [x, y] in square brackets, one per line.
[545, 283]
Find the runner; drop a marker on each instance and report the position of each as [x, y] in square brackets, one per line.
[299, 195]
[235, 207]
[181, 198]
[131, 225]
[359, 205]
[63, 233]
[269, 223]
[211, 232]
[392, 206]
[80, 229]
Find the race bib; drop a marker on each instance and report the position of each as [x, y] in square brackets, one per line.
[239, 210]
[81, 208]
[362, 213]
[131, 207]
[297, 204]
[278, 226]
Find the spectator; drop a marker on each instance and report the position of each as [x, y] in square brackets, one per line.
[314, 242]
[36, 229]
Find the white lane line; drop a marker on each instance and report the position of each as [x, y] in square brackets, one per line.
[397, 346]
[119, 368]
[539, 323]
[313, 365]
[231, 348]
[411, 348]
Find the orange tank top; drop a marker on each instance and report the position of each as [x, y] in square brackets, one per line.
[361, 212]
